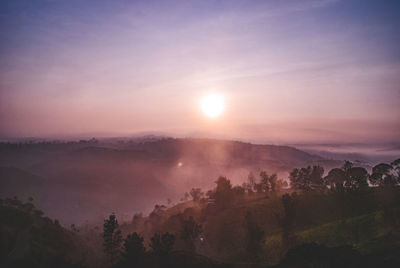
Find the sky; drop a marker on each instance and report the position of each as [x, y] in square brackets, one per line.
[288, 71]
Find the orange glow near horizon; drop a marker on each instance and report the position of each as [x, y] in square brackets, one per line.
[261, 72]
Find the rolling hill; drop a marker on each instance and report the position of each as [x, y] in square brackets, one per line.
[84, 181]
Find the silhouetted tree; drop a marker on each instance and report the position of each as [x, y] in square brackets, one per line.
[287, 222]
[307, 179]
[112, 238]
[29, 239]
[296, 179]
[223, 192]
[265, 183]
[254, 237]
[156, 216]
[316, 177]
[273, 182]
[134, 250]
[162, 244]
[269, 182]
[190, 232]
[396, 169]
[356, 178]
[247, 188]
[388, 176]
[238, 191]
[251, 181]
[347, 166]
[196, 194]
[335, 179]
[185, 197]
[383, 175]
[258, 187]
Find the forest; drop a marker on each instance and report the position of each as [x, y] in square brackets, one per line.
[346, 217]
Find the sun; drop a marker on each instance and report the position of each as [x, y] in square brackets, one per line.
[212, 105]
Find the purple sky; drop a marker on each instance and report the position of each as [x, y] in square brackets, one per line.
[289, 71]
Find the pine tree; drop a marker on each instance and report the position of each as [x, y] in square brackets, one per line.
[112, 238]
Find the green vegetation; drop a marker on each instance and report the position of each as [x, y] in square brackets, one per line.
[331, 221]
[28, 239]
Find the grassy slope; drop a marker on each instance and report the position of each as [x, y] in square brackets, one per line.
[364, 229]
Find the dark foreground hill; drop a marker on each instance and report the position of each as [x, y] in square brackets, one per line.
[355, 225]
[352, 228]
[78, 181]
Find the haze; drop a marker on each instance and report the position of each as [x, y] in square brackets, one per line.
[289, 71]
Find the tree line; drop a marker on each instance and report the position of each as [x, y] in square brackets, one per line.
[310, 198]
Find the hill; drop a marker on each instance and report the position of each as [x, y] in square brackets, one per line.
[249, 230]
[86, 180]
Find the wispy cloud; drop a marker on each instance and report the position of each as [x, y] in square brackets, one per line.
[127, 66]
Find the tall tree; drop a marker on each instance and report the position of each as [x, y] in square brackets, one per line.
[383, 175]
[396, 168]
[269, 182]
[335, 179]
[134, 250]
[287, 221]
[162, 244]
[223, 192]
[295, 179]
[251, 179]
[190, 231]
[306, 179]
[254, 237]
[196, 194]
[347, 166]
[356, 178]
[112, 238]
[249, 185]
[316, 177]
[265, 182]
[258, 187]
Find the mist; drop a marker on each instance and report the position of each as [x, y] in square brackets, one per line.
[199, 133]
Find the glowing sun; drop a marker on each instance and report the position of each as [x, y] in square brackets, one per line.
[212, 105]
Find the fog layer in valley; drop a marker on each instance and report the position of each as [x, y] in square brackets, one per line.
[84, 181]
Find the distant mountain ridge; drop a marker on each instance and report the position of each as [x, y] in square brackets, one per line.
[90, 179]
